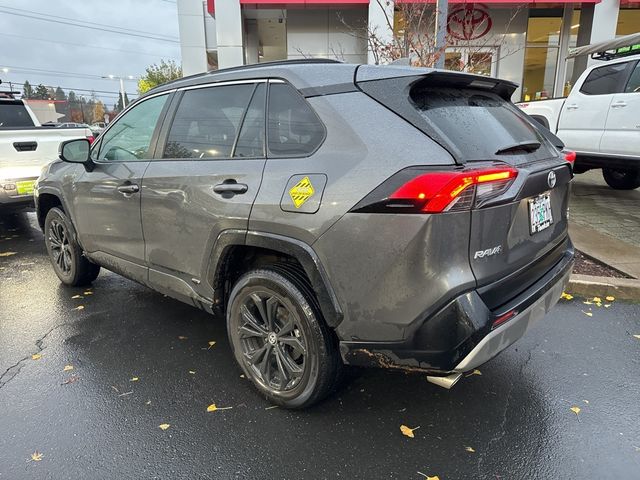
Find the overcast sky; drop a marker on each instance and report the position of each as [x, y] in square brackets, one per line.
[83, 54]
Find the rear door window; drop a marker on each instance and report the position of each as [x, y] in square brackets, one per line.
[476, 123]
[250, 142]
[293, 128]
[207, 121]
[604, 80]
[633, 85]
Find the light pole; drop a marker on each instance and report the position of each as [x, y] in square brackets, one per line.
[122, 92]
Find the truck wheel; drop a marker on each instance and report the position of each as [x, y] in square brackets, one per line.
[621, 179]
[279, 338]
[71, 267]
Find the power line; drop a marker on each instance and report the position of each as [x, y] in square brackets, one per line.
[58, 73]
[83, 45]
[88, 27]
[71, 89]
[86, 22]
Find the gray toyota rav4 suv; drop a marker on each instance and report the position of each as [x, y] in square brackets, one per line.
[336, 214]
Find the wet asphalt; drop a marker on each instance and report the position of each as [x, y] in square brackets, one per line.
[94, 422]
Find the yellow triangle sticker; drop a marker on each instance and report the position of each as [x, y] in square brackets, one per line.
[301, 192]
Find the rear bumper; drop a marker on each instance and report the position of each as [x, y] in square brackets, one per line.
[460, 336]
[586, 161]
[9, 197]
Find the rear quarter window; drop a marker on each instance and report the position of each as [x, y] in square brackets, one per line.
[293, 128]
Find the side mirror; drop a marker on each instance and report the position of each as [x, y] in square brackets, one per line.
[75, 151]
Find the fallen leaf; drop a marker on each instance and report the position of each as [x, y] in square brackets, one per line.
[182, 337]
[7, 254]
[607, 305]
[637, 336]
[566, 296]
[134, 379]
[435, 477]
[470, 449]
[87, 293]
[79, 307]
[588, 302]
[211, 344]
[586, 401]
[213, 408]
[597, 300]
[192, 372]
[588, 314]
[71, 379]
[36, 456]
[164, 426]
[67, 368]
[148, 402]
[408, 432]
[476, 372]
[77, 296]
[609, 298]
[575, 410]
[36, 356]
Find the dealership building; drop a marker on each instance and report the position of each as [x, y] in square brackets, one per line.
[525, 42]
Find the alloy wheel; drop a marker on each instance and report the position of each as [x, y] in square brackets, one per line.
[59, 246]
[272, 342]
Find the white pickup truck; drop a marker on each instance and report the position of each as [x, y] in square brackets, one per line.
[600, 119]
[25, 147]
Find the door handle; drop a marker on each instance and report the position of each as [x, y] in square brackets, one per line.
[573, 106]
[128, 188]
[618, 104]
[230, 187]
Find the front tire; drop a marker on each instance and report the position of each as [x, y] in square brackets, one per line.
[621, 179]
[71, 267]
[279, 338]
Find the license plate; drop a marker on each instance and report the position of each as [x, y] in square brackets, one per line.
[540, 216]
[25, 187]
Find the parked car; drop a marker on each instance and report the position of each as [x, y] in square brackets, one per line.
[25, 146]
[98, 128]
[370, 222]
[599, 119]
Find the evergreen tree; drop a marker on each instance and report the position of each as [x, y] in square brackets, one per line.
[27, 90]
[40, 93]
[59, 94]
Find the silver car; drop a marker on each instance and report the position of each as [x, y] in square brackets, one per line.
[336, 214]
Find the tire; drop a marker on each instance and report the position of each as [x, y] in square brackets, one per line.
[71, 267]
[621, 179]
[279, 338]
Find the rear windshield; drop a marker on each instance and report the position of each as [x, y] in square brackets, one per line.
[14, 115]
[476, 123]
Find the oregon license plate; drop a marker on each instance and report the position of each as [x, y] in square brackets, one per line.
[25, 187]
[540, 216]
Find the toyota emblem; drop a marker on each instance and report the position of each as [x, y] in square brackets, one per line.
[551, 179]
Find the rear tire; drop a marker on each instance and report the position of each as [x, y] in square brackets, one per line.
[71, 267]
[279, 338]
[621, 179]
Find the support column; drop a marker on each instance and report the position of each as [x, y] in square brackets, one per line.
[380, 23]
[229, 33]
[192, 36]
[605, 22]
[584, 38]
[563, 50]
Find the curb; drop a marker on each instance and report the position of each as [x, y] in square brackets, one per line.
[588, 286]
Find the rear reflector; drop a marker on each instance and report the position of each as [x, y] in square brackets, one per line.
[569, 155]
[437, 192]
[504, 318]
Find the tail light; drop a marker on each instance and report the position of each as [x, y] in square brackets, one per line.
[569, 156]
[437, 192]
[91, 138]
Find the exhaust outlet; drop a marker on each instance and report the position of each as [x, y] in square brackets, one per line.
[445, 382]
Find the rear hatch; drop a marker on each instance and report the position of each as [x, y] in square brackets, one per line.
[518, 224]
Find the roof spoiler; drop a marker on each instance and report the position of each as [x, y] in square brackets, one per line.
[609, 49]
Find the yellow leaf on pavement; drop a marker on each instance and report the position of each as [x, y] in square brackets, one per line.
[67, 368]
[566, 296]
[79, 307]
[596, 300]
[211, 344]
[134, 379]
[182, 337]
[470, 449]
[36, 456]
[476, 372]
[7, 254]
[36, 356]
[88, 292]
[213, 408]
[77, 296]
[192, 372]
[435, 477]
[588, 314]
[609, 298]
[408, 432]
[575, 410]
[637, 336]
[164, 426]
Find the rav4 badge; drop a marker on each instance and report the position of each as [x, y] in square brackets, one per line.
[488, 252]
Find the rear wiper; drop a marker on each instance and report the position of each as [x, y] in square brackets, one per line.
[527, 145]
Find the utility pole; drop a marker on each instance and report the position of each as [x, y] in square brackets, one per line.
[442, 12]
[122, 91]
[124, 102]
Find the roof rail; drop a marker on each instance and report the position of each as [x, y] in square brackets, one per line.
[295, 61]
